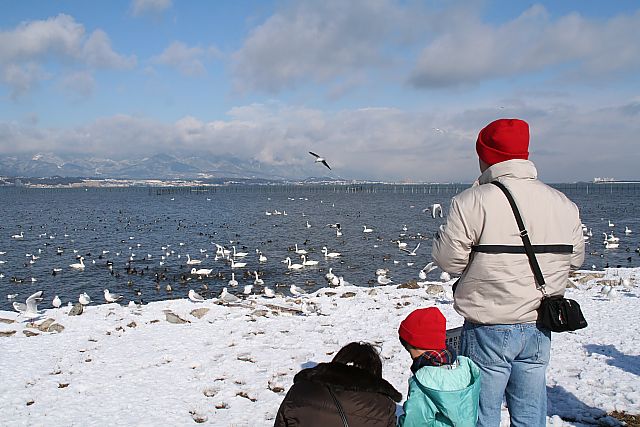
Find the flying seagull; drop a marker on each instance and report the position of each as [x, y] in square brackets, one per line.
[320, 159]
[30, 309]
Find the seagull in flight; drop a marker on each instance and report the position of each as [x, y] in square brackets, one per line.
[320, 159]
[30, 309]
[436, 208]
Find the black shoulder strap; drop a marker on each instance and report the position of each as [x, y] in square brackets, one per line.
[339, 406]
[528, 248]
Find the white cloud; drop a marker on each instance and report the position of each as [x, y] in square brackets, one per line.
[97, 53]
[471, 51]
[188, 60]
[567, 142]
[27, 51]
[21, 78]
[317, 41]
[79, 84]
[141, 7]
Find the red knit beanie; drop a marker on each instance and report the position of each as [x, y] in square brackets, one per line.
[503, 139]
[424, 328]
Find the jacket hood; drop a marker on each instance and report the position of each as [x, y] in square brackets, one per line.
[456, 403]
[348, 378]
[516, 168]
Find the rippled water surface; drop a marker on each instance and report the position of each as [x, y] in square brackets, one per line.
[116, 225]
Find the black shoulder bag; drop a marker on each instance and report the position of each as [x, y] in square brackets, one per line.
[556, 313]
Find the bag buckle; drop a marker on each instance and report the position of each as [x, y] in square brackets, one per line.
[524, 233]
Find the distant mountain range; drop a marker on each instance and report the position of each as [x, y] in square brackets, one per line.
[159, 166]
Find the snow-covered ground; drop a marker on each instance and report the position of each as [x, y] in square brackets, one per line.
[116, 365]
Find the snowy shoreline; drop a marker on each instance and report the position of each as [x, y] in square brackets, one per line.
[232, 365]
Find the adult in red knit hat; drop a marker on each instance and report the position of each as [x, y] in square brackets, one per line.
[503, 139]
[425, 328]
[496, 292]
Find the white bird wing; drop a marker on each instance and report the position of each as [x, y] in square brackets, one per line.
[33, 300]
[20, 307]
[429, 267]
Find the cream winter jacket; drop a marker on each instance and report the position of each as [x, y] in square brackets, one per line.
[499, 288]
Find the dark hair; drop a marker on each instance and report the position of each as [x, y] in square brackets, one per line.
[361, 355]
[407, 346]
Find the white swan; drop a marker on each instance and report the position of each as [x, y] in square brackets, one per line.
[300, 251]
[258, 280]
[627, 230]
[247, 289]
[237, 264]
[18, 236]
[193, 261]
[610, 238]
[307, 262]
[338, 232]
[202, 271]
[609, 245]
[233, 282]
[330, 274]
[434, 208]
[78, 265]
[611, 224]
[239, 254]
[328, 254]
[262, 258]
[308, 225]
[367, 230]
[291, 266]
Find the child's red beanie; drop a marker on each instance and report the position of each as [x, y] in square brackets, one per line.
[425, 328]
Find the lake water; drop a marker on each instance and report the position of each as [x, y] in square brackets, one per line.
[136, 223]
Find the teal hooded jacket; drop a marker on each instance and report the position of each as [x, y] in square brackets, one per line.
[443, 396]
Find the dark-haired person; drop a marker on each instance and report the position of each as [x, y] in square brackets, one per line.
[349, 389]
[497, 293]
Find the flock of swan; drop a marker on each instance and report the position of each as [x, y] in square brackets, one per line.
[239, 271]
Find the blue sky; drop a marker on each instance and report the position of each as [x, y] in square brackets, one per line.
[393, 90]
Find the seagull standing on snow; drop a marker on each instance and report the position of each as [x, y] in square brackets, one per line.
[319, 159]
[84, 299]
[194, 296]
[56, 302]
[228, 298]
[109, 297]
[296, 291]
[30, 309]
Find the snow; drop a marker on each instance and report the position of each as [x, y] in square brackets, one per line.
[117, 365]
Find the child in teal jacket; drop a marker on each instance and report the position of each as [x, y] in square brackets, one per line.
[444, 389]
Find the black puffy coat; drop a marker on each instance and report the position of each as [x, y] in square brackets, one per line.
[367, 400]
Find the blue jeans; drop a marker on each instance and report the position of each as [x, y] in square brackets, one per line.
[513, 360]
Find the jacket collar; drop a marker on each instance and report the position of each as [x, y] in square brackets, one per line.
[519, 169]
[345, 377]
